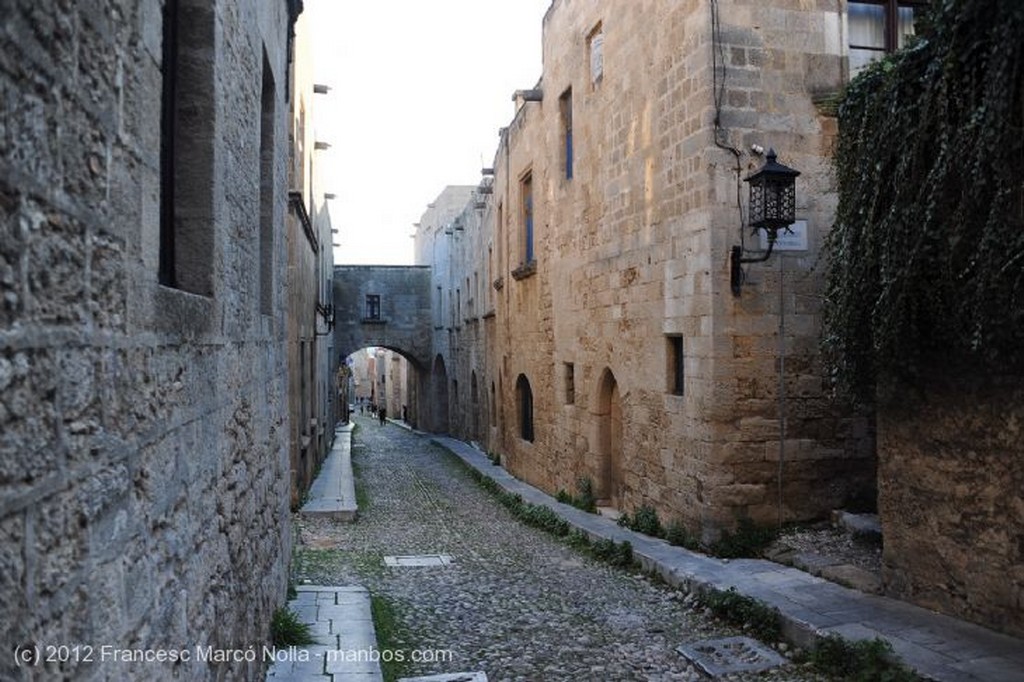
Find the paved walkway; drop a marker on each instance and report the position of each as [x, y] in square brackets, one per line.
[345, 639]
[937, 646]
[333, 493]
[502, 598]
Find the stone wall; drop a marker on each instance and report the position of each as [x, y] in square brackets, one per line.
[452, 237]
[403, 319]
[143, 461]
[311, 359]
[630, 262]
[951, 476]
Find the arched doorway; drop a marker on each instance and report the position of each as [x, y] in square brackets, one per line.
[524, 407]
[439, 379]
[610, 483]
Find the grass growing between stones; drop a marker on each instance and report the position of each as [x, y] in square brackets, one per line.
[539, 516]
[583, 499]
[748, 540]
[761, 620]
[391, 638]
[287, 630]
[861, 661]
[322, 566]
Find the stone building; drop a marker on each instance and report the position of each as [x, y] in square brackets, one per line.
[143, 399]
[312, 394]
[615, 348]
[451, 237]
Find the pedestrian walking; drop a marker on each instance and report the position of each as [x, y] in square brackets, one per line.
[382, 412]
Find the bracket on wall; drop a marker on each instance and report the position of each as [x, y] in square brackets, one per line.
[737, 261]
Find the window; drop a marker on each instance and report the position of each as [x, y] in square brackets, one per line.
[372, 307]
[439, 315]
[595, 48]
[266, 236]
[186, 147]
[675, 365]
[570, 383]
[524, 400]
[878, 27]
[565, 106]
[526, 194]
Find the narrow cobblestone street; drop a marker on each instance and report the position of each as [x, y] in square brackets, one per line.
[516, 602]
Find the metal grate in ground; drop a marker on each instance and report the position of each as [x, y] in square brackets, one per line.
[718, 657]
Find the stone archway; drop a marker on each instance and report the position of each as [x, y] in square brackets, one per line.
[439, 394]
[610, 482]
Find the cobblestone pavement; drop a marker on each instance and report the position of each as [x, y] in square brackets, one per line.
[516, 602]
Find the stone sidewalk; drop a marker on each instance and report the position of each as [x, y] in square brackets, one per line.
[333, 493]
[936, 646]
[345, 640]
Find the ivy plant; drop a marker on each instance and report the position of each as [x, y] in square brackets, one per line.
[926, 257]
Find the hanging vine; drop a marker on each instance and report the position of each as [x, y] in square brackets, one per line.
[926, 257]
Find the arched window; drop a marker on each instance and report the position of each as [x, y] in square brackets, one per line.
[524, 399]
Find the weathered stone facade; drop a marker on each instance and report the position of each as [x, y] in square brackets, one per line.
[951, 499]
[454, 236]
[614, 348]
[313, 400]
[143, 423]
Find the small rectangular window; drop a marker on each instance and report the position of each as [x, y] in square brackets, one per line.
[570, 384]
[526, 193]
[676, 374]
[595, 48]
[372, 307]
[439, 315]
[565, 106]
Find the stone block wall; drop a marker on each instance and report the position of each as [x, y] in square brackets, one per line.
[143, 461]
[950, 482]
[632, 259]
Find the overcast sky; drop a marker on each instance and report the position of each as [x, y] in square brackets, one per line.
[419, 90]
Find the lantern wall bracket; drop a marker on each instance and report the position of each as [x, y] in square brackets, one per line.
[737, 261]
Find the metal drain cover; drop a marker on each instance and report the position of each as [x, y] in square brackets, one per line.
[727, 655]
[419, 560]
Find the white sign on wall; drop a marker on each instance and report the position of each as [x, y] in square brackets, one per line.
[794, 240]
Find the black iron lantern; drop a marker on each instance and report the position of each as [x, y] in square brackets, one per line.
[772, 208]
[772, 196]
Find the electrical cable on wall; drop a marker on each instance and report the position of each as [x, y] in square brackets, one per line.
[718, 88]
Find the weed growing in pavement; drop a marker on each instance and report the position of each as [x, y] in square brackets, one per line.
[583, 499]
[761, 620]
[362, 496]
[287, 630]
[749, 540]
[862, 661]
[390, 637]
[677, 534]
[644, 520]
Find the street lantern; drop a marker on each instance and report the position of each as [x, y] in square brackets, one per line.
[772, 196]
[772, 208]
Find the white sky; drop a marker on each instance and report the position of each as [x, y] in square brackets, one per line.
[419, 90]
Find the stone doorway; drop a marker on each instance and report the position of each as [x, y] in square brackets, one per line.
[610, 484]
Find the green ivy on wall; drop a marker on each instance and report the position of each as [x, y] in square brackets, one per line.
[926, 257]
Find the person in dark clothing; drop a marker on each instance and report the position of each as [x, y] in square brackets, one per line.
[382, 412]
